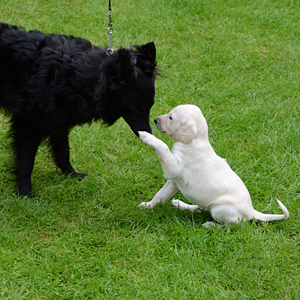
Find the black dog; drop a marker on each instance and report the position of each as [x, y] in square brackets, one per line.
[52, 82]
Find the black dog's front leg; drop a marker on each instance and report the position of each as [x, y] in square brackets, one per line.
[26, 142]
[60, 147]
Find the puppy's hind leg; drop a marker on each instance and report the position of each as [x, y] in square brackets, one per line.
[194, 208]
[225, 213]
[61, 151]
[181, 205]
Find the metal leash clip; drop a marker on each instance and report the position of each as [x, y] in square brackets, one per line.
[110, 49]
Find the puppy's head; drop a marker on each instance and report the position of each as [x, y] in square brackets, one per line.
[184, 123]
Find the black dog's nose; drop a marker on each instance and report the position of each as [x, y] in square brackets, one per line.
[155, 121]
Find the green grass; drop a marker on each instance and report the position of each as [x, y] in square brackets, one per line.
[239, 61]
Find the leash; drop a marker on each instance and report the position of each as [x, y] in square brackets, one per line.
[110, 49]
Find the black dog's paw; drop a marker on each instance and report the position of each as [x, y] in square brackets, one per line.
[29, 195]
[79, 175]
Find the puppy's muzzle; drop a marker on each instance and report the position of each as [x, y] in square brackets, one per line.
[157, 123]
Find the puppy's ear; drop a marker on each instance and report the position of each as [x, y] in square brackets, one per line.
[185, 132]
[127, 65]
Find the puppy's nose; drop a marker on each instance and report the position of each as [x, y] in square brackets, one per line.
[155, 120]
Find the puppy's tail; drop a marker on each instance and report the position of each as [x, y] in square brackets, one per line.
[268, 217]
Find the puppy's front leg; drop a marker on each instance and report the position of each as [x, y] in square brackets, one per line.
[163, 195]
[169, 163]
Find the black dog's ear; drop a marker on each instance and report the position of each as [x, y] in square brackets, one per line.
[149, 50]
[127, 65]
[146, 55]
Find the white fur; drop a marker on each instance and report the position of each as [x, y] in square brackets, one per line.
[198, 172]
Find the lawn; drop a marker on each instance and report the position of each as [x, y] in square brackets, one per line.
[239, 61]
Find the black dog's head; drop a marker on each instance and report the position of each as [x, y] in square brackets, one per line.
[129, 87]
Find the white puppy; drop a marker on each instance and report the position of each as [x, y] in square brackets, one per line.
[198, 172]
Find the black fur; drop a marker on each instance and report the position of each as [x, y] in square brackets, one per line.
[52, 82]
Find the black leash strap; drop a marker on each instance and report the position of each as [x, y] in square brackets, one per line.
[110, 49]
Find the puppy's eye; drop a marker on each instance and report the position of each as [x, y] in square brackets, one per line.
[170, 118]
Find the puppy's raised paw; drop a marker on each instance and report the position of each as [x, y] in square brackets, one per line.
[143, 134]
[147, 138]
